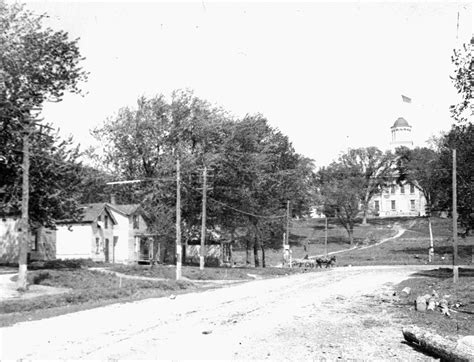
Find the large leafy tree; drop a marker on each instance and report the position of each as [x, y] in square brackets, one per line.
[463, 80]
[55, 182]
[341, 190]
[421, 168]
[37, 64]
[373, 168]
[254, 168]
[144, 142]
[461, 138]
[259, 172]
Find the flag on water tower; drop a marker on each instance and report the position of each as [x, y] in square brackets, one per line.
[406, 99]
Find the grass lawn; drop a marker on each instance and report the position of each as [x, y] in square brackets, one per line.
[307, 237]
[412, 247]
[459, 297]
[89, 287]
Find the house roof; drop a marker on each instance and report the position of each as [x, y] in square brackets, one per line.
[90, 212]
[401, 122]
[125, 209]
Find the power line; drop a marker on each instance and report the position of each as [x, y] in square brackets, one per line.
[238, 210]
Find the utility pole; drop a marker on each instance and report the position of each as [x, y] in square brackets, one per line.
[326, 236]
[25, 195]
[202, 250]
[288, 222]
[179, 250]
[455, 224]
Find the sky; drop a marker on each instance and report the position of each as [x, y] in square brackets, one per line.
[328, 75]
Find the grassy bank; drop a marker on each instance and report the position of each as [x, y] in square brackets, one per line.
[412, 247]
[459, 297]
[88, 287]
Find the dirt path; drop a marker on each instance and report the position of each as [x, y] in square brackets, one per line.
[334, 314]
[399, 233]
[8, 289]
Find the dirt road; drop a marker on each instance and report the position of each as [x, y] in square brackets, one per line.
[335, 314]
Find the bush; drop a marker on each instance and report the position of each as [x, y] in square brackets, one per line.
[63, 264]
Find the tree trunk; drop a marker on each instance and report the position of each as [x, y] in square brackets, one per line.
[255, 251]
[22, 284]
[350, 231]
[263, 255]
[247, 251]
[364, 216]
[222, 255]
[437, 345]
[231, 262]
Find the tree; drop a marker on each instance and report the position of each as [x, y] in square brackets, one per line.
[143, 143]
[255, 168]
[420, 167]
[55, 181]
[259, 172]
[341, 191]
[36, 65]
[375, 170]
[463, 80]
[461, 138]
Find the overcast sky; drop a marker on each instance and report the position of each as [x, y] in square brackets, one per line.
[329, 75]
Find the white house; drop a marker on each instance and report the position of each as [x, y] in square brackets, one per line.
[132, 243]
[92, 237]
[399, 200]
[41, 244]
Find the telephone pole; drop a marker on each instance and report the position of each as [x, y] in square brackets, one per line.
[178, 221]
[326, 236]
[455, 224]
[202, 251]
[25, 195]
[288, 222]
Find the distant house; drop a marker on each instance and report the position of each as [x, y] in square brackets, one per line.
[42, 243]
[132, 243]
[92, 237]
[398, 200]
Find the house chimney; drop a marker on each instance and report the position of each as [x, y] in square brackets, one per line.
[112, 199]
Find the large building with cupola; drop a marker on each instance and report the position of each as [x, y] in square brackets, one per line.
[399, 200]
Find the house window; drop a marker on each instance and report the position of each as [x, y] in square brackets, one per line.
[392, 189]
[402, 189]
[393, 205]
[34, 241]
[99, 218]
[412, 189]
[377, 205]
[412, 205]
[106, 221]
[135, 221]
[97, 245]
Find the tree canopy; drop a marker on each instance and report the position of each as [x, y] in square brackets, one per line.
[253, 167]
[37, 64]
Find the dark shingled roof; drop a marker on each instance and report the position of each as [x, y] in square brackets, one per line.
[92, 211]
[401, 122]
[125, 209]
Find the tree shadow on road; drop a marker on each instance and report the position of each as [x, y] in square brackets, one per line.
[443, 273]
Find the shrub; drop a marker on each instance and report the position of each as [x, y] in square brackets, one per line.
[63, 264]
